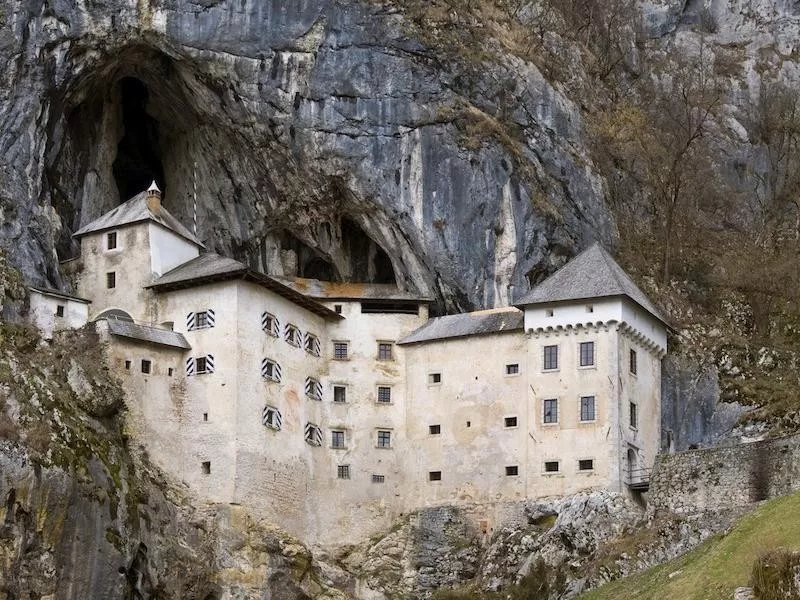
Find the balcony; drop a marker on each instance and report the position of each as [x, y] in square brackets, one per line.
[638, 480]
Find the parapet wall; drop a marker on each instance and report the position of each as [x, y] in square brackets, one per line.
[726, 478]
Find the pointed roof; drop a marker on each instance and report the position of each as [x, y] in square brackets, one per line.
[133, 211]
[591, 274]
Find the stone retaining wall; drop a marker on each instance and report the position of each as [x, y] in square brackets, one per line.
[724, 478]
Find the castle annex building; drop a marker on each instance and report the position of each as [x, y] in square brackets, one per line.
[333, 408]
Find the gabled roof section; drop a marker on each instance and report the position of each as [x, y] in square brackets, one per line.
[482, 322]
[332, 290]
[210, 267]
[59, 294]
[146, 334]
[591, 274]
[133, 211]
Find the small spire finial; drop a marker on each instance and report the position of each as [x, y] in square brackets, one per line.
[153, 197]
[153, 187]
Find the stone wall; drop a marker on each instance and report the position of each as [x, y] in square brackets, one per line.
[728, 477]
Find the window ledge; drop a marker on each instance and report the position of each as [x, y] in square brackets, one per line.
[383, 447]
[338, 447]
[512, 426]
[556, 424]
[341, 359]
[553, 473]
[588, 422]
[551, 370]
[512, 374]
[587, 367]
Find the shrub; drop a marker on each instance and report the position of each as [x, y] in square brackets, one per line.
[774, 575]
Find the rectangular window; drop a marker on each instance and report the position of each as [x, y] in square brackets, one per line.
[512, 369]
[270, 324]
[127, 364]
[111, 240]
[549, 312]
[378, 478]
[343, 472]
[587, 354]
[205, 417]
[385, 351]
[271, 370]
[340, 350]
[512, 471]
[292, 335]
[434, 429]
[60, 310]
[384, 394]
[206, 467]
[313, 389]
[434, 475]
[271, 417]
[339, 394]
[313, 435]
[551, 466]
[384, 439]
[201, 320]
[510, 421]
[550, 358]
[587, 408]
[201, 364]
[337, 439]
[434, 378]
[634, 415]
[337, 308]
[169, 371]
[146, 366]
[586, 465]
[633, 362]
[551, 411]
[312, 345]
[111, 280]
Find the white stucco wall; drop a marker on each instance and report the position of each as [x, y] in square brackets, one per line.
[43, 309]
[168, 250]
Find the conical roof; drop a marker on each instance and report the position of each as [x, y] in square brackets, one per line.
[136, 210]
[591, 274]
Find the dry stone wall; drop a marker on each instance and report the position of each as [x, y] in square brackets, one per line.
[726, 478]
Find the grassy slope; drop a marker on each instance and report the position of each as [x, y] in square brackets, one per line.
[714, 569]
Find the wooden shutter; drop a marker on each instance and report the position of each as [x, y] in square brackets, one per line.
[211, 317]
[190, 321]
[189, 367]
[209, 363]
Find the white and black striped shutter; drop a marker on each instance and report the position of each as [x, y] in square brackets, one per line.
[209, 363]
[316, 347]
[190, 321]
[189, 367]
[313, 434]
[264, 364]
[276, 327]
[211, 317]
[277, 370]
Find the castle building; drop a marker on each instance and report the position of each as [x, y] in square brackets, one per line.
[334, 408]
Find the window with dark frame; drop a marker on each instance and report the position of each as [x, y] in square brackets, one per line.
[146, 366]
[60, 310]
[434, 475]
[586, 465]
[201, 320]
[384, 394]
[339, 394]
[343, 472]
[201, 364]
[512, 369]
[127, 364]
[512, 470]
[340, 350]
[111, 240]
[292, 335]
[269, 323]
[551, 411]
[378, 478]
[337, 439]
[434, 429]
[337, 308]
[384, 439]
[434, 378]
[633, 361]
[111, 280]
[206, 467]
[550, 358]
[587, 354]
[312, 344]
[510, 421]
[587, 408]
[634, 415]
[385, 351]
[551, 466]
[169, 371]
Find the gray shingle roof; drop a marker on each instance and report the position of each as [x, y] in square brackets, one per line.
[136, 210]
[591, 274]
[210, 267]
[144, 333]
[59, 294]
[482, 322]
[332, 290]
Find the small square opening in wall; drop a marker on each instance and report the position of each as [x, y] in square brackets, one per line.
[589, 308]
[434, 429]
[60, 310]
[128, 364]
[512, 369]
[111, 280]
[586, 465]
[337, 309]
[146, 366]
[512, 471]
[434, 475]
[548, 312]
[170, 371]
[434, 378]
[551, 466]
[510, 421]
[205, 417]
[343, 472]
[378, 478]
[206, 467]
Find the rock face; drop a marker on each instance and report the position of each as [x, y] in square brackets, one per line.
[320, 139]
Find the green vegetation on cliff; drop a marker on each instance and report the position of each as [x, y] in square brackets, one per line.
[713, 570]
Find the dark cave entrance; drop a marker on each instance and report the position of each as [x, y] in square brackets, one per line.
[369, 262]
[138, 160]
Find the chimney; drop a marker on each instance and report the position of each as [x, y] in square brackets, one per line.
[153, 198]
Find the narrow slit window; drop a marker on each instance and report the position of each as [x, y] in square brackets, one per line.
[634, 414]
[111, 240]
[633, 365]
[206, 467]
[111, 280]
[146, 366]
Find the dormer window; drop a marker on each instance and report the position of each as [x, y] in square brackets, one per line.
[111, 240]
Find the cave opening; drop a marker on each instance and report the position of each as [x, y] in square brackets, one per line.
[368, 261]
[138, 160]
